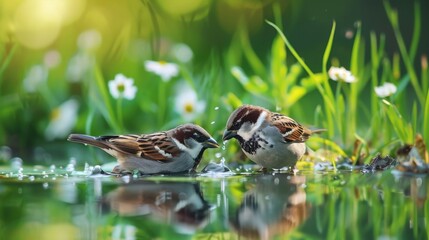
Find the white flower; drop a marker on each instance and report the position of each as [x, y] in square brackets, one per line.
[37, 75]
[182, 52]
[163, 69]
[63, 119]
[187, 104]
[52, 59]
[385, 90]
[79, 65]
[341, 74]
[122, 87]
[89, 40]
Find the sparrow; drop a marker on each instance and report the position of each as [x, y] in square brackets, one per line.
[173, 151]
[177, 204]
[271, 211]
[269, 139]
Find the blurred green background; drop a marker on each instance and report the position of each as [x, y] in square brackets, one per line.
[66, 51]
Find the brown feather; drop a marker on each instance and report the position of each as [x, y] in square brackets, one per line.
[290, 129]
[149, 142]
[142, 145]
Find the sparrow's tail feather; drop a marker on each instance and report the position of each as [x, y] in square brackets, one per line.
[86, 139]
[318, 131]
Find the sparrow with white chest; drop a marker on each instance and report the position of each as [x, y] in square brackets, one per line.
[177, 150]
[269, 139]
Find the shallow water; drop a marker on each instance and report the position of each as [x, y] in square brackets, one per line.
[61, 203]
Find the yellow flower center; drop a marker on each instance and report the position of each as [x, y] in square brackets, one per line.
[55, 114]
[121, 87]
[162, 62]
[189, 108]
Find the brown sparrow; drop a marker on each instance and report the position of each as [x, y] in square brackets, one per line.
[269, 139]
[177, 150]
[273, 208]
[178, 204]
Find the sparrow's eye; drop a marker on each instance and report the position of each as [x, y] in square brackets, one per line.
[236, 125]
[199, 137]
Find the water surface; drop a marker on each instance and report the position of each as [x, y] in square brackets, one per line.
[63, 204]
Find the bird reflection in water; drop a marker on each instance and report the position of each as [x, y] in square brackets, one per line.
[179, 204]
[273, 207]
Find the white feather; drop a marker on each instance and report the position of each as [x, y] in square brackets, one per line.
[192, 151]
[163, 153]
[245, 134]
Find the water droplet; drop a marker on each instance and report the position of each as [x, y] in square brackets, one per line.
[70, 167]
[96, 170]
[222, 161]
[218, 155]
[88, 169]
[45, 185]
[72, 161]
[52, 167]
[31, 178]
[213, 122]
[126, 178]
[216, 108]
[276, 181]
[16, 163]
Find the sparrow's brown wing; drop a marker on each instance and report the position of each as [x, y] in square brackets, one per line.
[156, 146]
[290, 129]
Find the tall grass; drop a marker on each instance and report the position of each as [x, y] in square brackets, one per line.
[359, 123]
[344, 108]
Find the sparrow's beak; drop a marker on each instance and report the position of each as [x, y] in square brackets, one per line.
[228, 134]
[211, 143]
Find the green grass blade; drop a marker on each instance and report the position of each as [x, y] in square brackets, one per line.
[325, 59]
[354, 88]
[402, 129]
[89, 120]
[292, 49]
[105, 100]
[328, 48]
[250, 54]
[408, 61]
[334, 147]
[7, 61]
[416, 32]
[426, 122]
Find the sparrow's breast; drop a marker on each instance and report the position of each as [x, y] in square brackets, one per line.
[268, 149]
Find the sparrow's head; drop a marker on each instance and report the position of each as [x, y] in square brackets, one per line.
[193, 139]
[244, 122]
